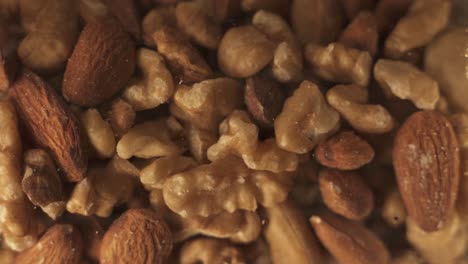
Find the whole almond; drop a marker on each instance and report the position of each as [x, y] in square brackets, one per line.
[348, 241]
[101, 64]
[137, 236]
[344, 151]
[426, 160]
[62, 243]
[51, 124]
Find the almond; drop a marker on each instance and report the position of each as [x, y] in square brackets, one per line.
[137, 236]
[101, 63]
[426, 159]
[344, 151]
[51, 123]
[60, 244]
[348, 241]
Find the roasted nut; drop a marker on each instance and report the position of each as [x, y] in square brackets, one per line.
[155, 174]
[126, 13]
[51, 124]
[277, 6]
[258, 252]
[205, 104]
[405, 81]
[28, 11]
[426, 159]
[62, 243]
[83, 197]
[424, 20]
[99, 133]
[42, 184]
[185, 60]
[199, 140]
[344, 151]
[148, 140]
[393, 209]
[349, 241]
[223, 10]
[264, 99]
[155, 19]
[92, 230]
[244, 51]
[362, 32]
[92, 9]
[305, 120]
[338, 63]
[350, 102]
[47, 47]
[210, 251]
[317, 21]
[87, 80]
[287, 223]
[354, 7]
[346, 193]
[7, 256]
[122, 116]
[137, 236]
[154, 87]
[388, 12]
[193, 20]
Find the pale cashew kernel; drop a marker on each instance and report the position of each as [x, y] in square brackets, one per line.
[210, 251]
[99, 133]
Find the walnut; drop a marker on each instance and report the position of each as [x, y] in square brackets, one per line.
[122, 116]
[99, 133]
[155, 174]
[155, 19]
[199, 140]
[210, 251]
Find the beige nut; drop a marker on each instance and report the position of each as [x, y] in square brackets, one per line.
[155, 174]
[393, 209]
[155, 85]
[92, 9]
[339, 63]
[362, 32]
[210, 251]
[28, 11]
[351, 102]
[306, 120]
[7, 256]
[99, 132]
[156, 19]
[406, 81]
[199, 140]
[83, 197]
[244, 51]
[122, 116]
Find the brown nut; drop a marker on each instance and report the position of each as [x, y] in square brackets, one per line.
[264, 99]
[62, 243]
[210, 251]
[276, 6]
[122, 116]
[99, 132]
[362, 33]
[51, 124]
[346, 193]
[348, 241]
[344, 151]
[338, 63]
[87, 80]
[155, 174]
[388, 12]
[354, 7]
[8, 57]
[223, 10]
[42, 184]
[306, 119]
[137, 236]
[426, 158]
[125, 11]
[393, 209]
[199, 140]
[407, 82]
[92, 9]
[185, 60]
[155, 19]
[350, 102]
[28, 12]
[244, 51]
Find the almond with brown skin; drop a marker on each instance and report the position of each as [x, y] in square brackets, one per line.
[426, 159]
[101, 63]
[346, 193]
[137, 236]
[62, 243]
[348, 241]
[344, 151]
[51, 123]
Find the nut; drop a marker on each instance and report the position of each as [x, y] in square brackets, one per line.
[388, 13]
[88, 81]
[346, 193]
[239, 41]
[223, 10]
[51, 124]
[344, 151]
[264, 99]
[354, 7]
[338, 63]
[305, 120]
[277, 6]
[92, 9]
[61, 243]
[350, 102]
[349, 241]
[210, 251]
[155, 19]
[199, 140]
[83, 197]
[28, 12]
[42, 184]
[409, 256]
[407, 82]
[362, 32]
[426, 159]
[154, 87]
[92, 231]
[125, 11]
[393, 209]
[424, 20]
[184, 59]
[137, 236]
[7, 256]
[99, 133]
[122, 116]
[8, 57]
[155, 174]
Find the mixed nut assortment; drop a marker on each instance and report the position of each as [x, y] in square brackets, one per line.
[234, 131]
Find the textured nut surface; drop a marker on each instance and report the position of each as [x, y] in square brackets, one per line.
[344, 151]
[362, 33]
[348, 241]
[62, 243]
[51, 123]
[426, 159]
[210, 251]
[346, 193]
[155, 174]
[137, 236]
[156, 19]
[99, 133]
[127, 14]
[101, 63]
[122, 116]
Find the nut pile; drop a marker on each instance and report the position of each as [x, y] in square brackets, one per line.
[233, 131]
